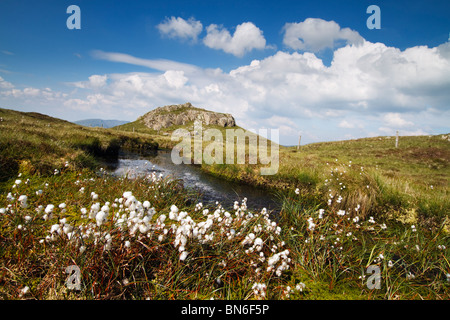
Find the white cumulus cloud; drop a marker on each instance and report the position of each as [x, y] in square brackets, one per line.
[369, 89]
[395, 120]
[315, 34]
[180, 28]
[246, 37]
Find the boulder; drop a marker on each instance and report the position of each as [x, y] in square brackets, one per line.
[182, 114]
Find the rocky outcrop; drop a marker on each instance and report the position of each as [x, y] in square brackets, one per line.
[183, 114]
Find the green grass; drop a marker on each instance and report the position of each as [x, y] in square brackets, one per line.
[374, 206]
[149, 267]
[414, 176]
[330, 260]
[40, 143]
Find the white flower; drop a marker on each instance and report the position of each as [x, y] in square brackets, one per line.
[67, 229]
[259, 289]
[23, 201]
[321, 212]
[300, 286]
[17, 182]
[49, 208]
[297, 191]
[10, 197]
[311, 224]
[341, 213]
[24, 291]
[410, 276]
[183, 255]
[55, 228]
[258, 243]
[100, 217]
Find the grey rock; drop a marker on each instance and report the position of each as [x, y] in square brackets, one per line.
[182, 114]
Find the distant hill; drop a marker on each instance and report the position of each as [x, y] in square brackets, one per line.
[100, 123]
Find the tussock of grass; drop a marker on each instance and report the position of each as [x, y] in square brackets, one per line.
[47, 143]
[335, 247]
[135, 259]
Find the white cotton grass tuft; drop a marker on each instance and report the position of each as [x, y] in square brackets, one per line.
[311, 224]
[259, 289]
[100, 218]
[183, 255]
[23, 201]
[49, 208]
[24, 291]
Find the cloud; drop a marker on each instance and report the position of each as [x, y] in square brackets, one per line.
[179, 28]
[5, 84]
[175, 79]
[345, 124]
[395, 120]
[370, 87]
[316, 34]
[246, 37]
[9, 53]
[157, 64]
[372, 81]
[8, 90]
[391, 132]
[94, 82]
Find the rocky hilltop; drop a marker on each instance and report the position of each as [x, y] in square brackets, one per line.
[183, 114]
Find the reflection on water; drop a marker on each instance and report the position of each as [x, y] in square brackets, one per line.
[212, 189]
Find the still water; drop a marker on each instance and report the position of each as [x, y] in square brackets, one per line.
[211, 188]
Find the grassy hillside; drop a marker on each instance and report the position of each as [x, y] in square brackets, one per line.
[346, 206]
[42, 143]
[374, 175]
[163, 136]
[100, 123]
[371, 172]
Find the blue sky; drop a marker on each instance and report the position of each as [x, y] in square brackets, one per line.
[303, 67]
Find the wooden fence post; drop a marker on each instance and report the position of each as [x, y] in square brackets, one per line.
[396, 140]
